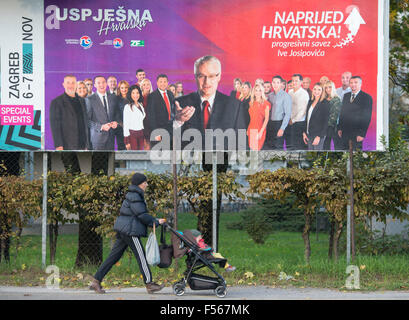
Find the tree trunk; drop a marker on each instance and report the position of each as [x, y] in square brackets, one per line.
[18, 238]
[331, 240]
[337, 235]
[10, 165]
[89, 243]
[4, 239]
[306, 237]
[53, 236]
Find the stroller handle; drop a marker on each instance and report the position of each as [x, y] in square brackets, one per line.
[165, 224]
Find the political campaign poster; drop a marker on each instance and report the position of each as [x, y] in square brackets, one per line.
[259, 75]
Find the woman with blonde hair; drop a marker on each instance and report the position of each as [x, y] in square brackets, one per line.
[245, 92]
[123, 87]
[259, 112]
[334, 111]
[258, 81]
[237, 88]
[316, 124]
[82, 89]
[146, 88]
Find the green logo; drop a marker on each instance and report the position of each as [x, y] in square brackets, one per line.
[137, 43]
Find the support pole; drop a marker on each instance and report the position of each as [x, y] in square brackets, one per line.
[348, 230]
[175, 197]
[350, 208]
[44, 216]
[175, 190]
[351, 199]
[214, 233]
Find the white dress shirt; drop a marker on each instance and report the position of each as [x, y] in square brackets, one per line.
[133, 119]
[210, 100]
[300, 100]
[101, 96]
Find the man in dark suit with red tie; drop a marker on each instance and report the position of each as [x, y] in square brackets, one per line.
[160, 109]
[213, 109]
[355, 117]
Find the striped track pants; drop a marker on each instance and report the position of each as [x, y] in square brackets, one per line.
[121, 243]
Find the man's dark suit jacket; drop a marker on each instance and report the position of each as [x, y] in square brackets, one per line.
[65, 125]
[227, 113]
[318, 124]
[97, 116]
[119, 131]
[157, 112]
[355, 116]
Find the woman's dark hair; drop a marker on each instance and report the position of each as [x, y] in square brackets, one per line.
[129, 98]
[128, 94]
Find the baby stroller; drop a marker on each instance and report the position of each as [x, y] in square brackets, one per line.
[184, 244]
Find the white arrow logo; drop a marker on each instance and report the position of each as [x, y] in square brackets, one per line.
[353, 23]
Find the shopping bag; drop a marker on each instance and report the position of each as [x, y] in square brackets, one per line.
[166, 251]
[152, 249]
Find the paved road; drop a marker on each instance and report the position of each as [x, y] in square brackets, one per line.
[234, 293]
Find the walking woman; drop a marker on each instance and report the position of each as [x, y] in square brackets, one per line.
[131, 224]
[317, 119]
[259, 114]
[134, 114]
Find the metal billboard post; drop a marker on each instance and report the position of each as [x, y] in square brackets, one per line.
[350, 208]
[175, 195]
[351, 199]
[44, 215]
[214, 232]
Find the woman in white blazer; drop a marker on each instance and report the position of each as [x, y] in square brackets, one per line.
[134, 113]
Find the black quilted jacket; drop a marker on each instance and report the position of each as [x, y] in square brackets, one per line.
[133, 217]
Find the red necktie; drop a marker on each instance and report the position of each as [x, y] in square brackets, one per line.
[165, 97]
[206, 113]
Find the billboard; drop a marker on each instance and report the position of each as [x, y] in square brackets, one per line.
[21, 75]
[260, 75]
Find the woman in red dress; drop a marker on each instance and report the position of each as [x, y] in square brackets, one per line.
[259, 114]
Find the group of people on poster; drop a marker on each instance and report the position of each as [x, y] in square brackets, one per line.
[276, 114]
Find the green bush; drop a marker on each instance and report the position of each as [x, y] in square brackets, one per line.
[256, 224]
[280, 216]
[368, 242]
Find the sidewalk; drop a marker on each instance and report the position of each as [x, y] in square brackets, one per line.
[233, 293]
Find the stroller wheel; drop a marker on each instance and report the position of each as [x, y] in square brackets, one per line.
[179, 289]
[220, 291]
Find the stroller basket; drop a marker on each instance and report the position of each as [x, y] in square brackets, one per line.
[202, 282]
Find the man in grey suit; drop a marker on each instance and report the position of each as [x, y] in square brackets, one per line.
[103, 114]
